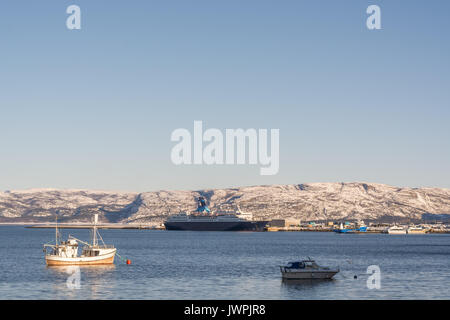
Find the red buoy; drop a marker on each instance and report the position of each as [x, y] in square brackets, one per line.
[128, 261]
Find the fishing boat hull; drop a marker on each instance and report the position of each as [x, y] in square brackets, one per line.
[107, 257]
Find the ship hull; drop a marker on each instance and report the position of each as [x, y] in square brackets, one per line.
[216, 226]
[362, 229]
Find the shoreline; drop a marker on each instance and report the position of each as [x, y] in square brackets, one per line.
[89, 226]
[156, 227]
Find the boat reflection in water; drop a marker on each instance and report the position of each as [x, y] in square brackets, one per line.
[80, 282]
[88, 269]
[75, 274]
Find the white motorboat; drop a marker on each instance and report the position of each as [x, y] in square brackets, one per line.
[396, 230]
[307, 269]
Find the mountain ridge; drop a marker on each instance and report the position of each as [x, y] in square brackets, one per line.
[305, 201]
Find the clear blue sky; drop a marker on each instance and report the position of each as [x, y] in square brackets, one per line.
[95, 108]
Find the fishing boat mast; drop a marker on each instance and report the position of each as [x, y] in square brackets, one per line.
[94, 230]
[56, 231]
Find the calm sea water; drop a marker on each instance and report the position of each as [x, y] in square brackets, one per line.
[228, 265]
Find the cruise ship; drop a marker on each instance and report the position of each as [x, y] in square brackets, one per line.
[203, 220]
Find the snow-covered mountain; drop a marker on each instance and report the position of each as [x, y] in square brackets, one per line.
[311, 201]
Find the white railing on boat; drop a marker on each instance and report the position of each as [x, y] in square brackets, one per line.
[100, 246]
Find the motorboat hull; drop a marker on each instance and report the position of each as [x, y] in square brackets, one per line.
[301, 275]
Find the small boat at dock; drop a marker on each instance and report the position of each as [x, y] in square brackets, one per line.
[396, 230]
[65, 253]
[417, 230]
[307, 269]
[361, 227]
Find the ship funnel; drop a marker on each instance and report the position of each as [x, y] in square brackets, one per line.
[201, 205]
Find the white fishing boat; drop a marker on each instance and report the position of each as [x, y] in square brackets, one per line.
[396, 230]
[65, 253]
[307, 269]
